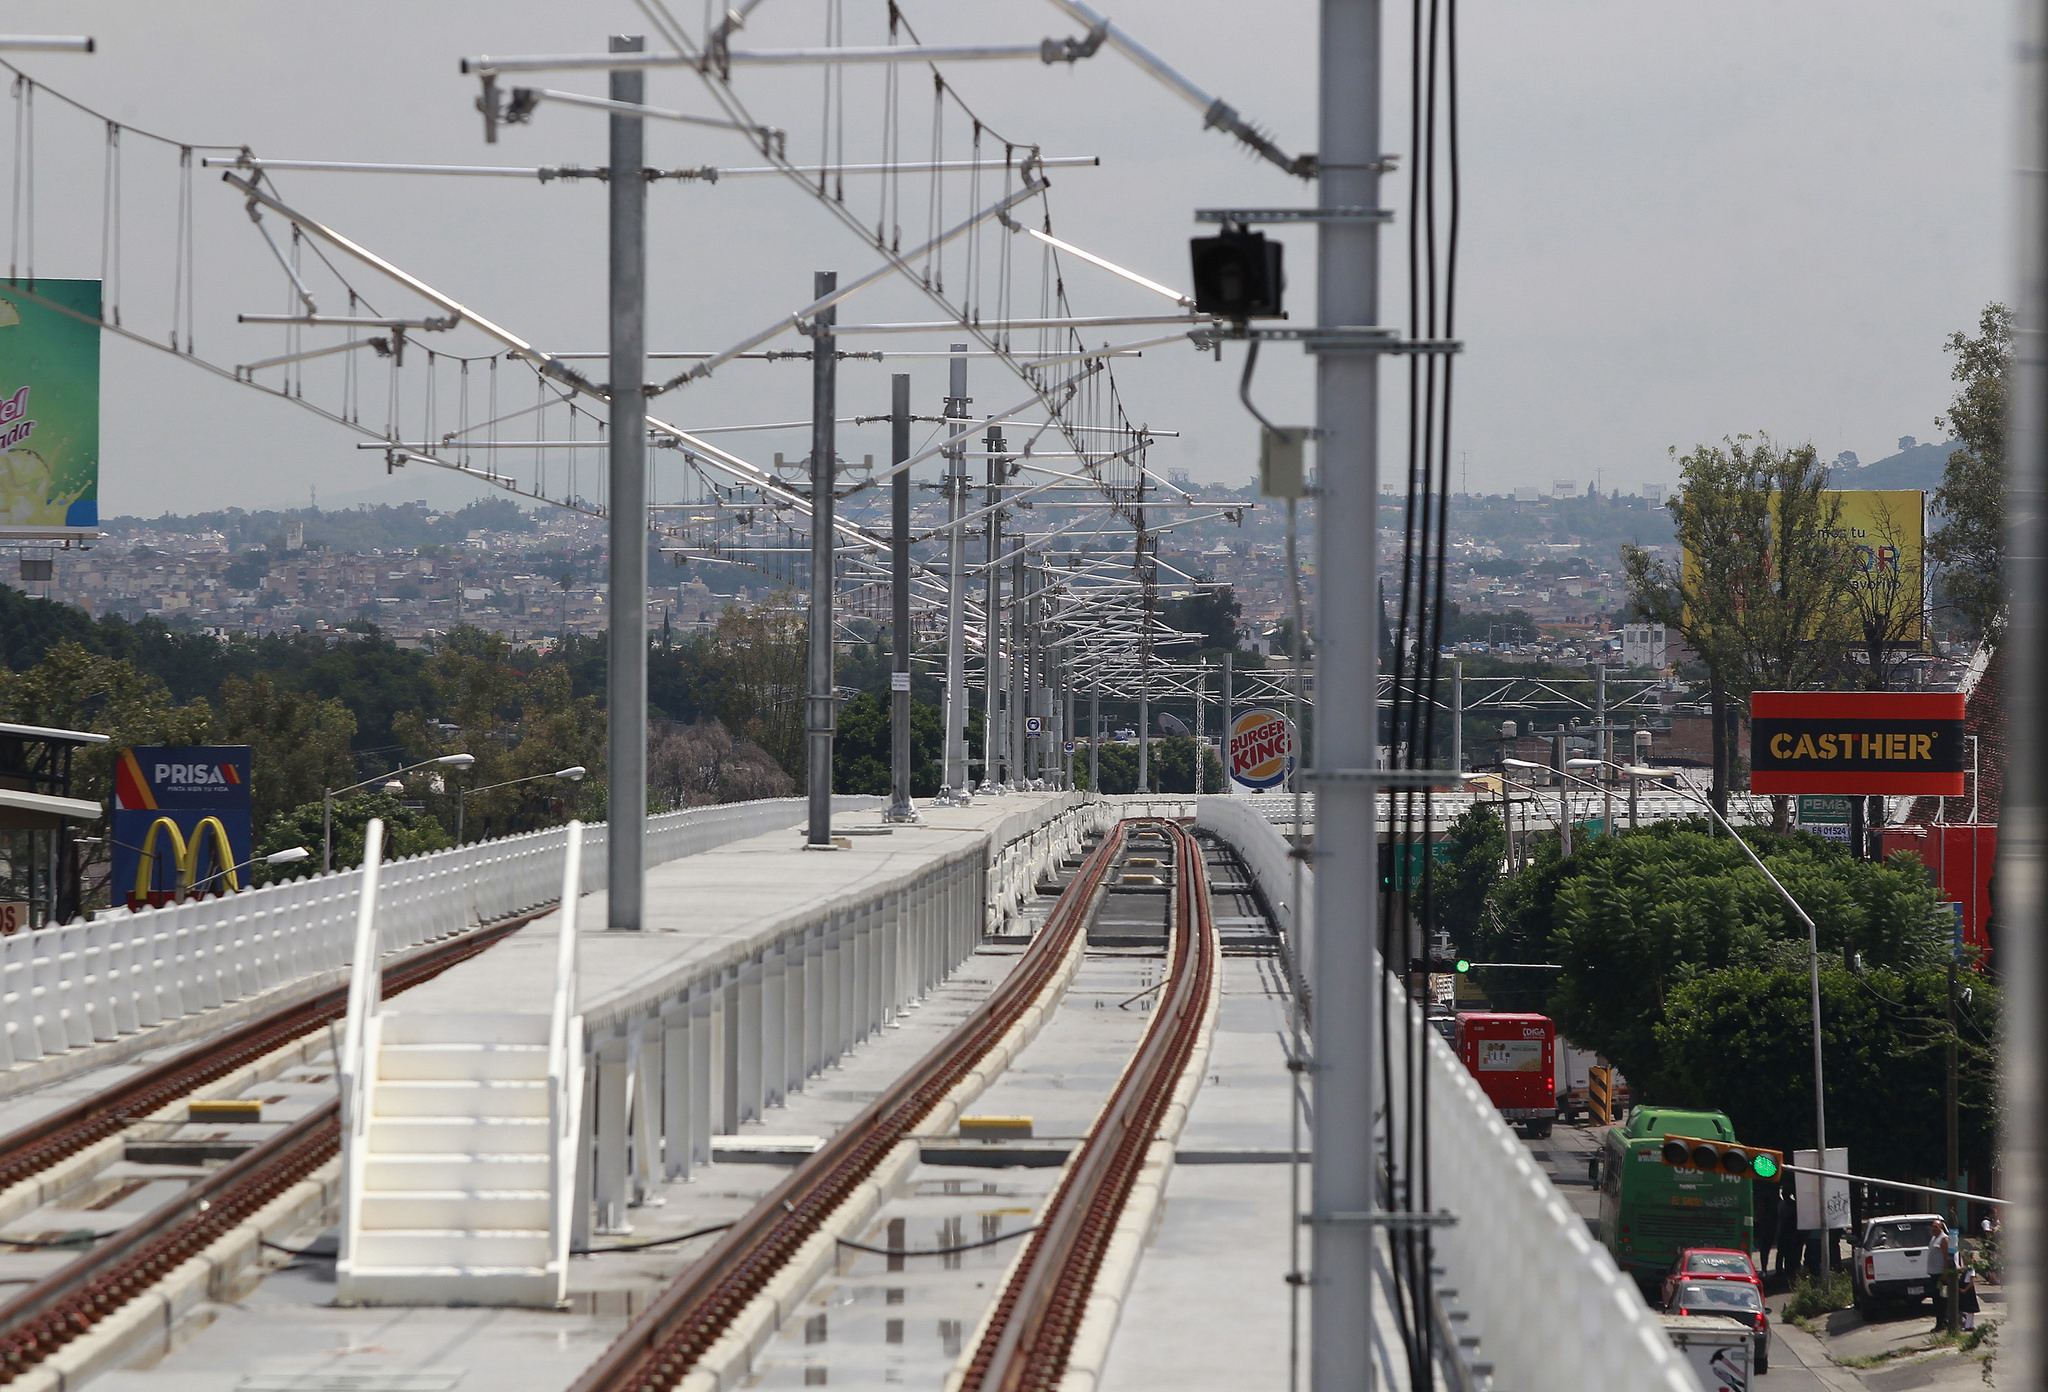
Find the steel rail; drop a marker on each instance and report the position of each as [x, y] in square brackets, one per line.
[661, 1347]
[1024, 1347]
[35, 1147]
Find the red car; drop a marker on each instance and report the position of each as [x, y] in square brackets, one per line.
[1710, 1264]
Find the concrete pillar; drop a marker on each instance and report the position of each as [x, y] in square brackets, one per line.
[612, 1102]
[643, 1116]
[676, 1077]
[729, 1054]
[774, 985]
[749, 1040]
[795, 993]
[814, 998]
[831, 1036]
[703, 1014]
[863, 972]
[848, 984]
[586, 1131]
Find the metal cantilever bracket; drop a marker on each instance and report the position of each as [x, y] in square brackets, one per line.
[1382, 1219]
[1242, 217]
[1372, 338]
[1390, 778]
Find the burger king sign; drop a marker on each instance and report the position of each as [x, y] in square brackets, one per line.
[1261, 749]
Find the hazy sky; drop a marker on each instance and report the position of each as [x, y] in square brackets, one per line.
[1681, 222]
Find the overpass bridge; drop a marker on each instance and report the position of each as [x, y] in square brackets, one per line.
[778, 1085]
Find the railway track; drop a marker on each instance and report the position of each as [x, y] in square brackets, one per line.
[69, 1302]
[1041, 1308]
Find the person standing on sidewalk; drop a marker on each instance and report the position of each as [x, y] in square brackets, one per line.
[1941, 1265]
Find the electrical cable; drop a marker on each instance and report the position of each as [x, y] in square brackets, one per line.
[935, 1251]
[651, 1242]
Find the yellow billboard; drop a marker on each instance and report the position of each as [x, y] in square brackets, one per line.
[1884, 532]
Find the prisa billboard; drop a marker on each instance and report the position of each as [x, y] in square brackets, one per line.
[181, 821]
[49, 408]
[1261, 749]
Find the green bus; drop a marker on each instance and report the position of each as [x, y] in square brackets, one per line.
[1651, 1211]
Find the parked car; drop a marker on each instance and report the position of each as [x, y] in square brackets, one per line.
[1889, 1261]
[1710, 1264]
[1737, 1300]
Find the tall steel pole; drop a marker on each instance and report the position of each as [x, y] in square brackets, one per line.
[820, 711]
[1223, 739]
[956, 580]
[1019, 666]
[626, 521]
[900, 807]
[2022, 876]
[992, 740]
[1095, 737]
[1346, 988]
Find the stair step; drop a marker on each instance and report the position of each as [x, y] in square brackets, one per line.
[469, 1210]
[500, 1027]
[424, 1247]
[394, 1173]
[360, 1283]
[459, 1097]
[454, 1135]
[470, 1061]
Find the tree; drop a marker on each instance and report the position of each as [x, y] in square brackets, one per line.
[1171, 766]
[1211, 612]
[1969, 547]
[757, 656]
[1764, 588]
[406, 833]
[1118, 764]
[298, 744]
[863, 750]
[1459, 886]
[695, 765]
[1886, 595]
[1636, 915]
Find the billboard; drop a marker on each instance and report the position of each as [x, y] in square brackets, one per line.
[1886, 533]
[181, 821]
[1857, 742]
[49, 409]
[1261, 750]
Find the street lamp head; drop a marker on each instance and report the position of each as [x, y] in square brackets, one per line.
[296, 853]
[1585, 763]
[456, 760]
[574, 773]
[1524, 763]
[1643, 771]
[394, 786]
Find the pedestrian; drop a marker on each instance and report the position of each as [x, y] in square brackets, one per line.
[1941, 1264]
[1788, 1238]
[1967, 1302]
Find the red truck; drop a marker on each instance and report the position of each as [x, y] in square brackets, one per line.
[1514, 1057]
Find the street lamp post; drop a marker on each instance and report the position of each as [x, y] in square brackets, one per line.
[327, 798]
[289, 856]
[574, 774]
[1564, 811]
[1820, 1105]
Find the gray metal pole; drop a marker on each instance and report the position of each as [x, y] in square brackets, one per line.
[993, 744]
[956, 777]
[1223, 741]
[901, 808]
[1018, 665]
[1067, 725]
[1346, 987]
[626, 520]
[1145, 713]
[1095, 737]
[2023, 830]
[1457, 716]
[1201, 737]
[820, 712]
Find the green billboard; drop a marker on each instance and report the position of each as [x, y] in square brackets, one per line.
[49, 408]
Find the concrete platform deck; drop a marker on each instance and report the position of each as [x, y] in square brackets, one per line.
[721, 903]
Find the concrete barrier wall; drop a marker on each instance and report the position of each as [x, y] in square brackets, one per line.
[1552, 1311]
[121, 973]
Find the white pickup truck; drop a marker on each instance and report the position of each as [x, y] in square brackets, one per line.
[1891, 1260]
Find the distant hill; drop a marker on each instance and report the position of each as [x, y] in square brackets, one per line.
[1919, 467]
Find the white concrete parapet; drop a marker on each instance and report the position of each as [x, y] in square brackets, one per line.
[1552, 1310]
[70, 987]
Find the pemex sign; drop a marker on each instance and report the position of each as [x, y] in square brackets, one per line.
[1857, 742]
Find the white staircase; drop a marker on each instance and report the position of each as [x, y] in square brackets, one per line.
[460, 1158]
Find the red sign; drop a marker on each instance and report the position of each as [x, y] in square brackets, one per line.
[1906, 742]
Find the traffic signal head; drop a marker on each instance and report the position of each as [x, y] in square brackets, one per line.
[1721, 1157]
[1463, 965]
[1238, 274]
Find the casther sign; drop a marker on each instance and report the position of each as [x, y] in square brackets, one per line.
[1857, 742]
[1261, 749]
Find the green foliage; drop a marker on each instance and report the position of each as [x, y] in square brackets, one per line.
[1741, 1040]
[1635, 915]
[1810, 1297]
[298, 743]
[1212, 613]
[1119, 764]
[1970, 544]
[863, 751]
[1459, 886]
[406, 833]
[1171, 766]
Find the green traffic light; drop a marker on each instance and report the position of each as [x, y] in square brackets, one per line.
[1763, 1167]
[1463, 965]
